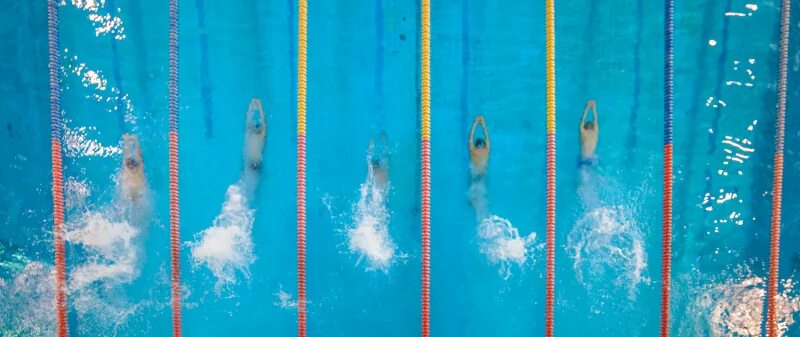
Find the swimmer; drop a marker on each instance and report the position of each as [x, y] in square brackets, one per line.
[254, 136]
[380, 164]
[132, 175]
[589, 131]
[479, 148]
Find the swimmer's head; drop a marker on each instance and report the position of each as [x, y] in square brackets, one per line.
[480, 143]
[376, 163]
[131, 163]
[588, 125]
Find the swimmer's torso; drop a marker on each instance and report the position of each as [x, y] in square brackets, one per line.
[588, 142]
[479, 158]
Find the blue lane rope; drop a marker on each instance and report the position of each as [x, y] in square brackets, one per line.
[668, 69]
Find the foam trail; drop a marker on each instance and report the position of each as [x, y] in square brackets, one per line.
[477, 197]
[285, 300]
[499, 240]
[26, 302]
[734, 307]
[369, 235]
[606, 244]
[226, 248]
[107, 250]
[112, 253]
[501, 243]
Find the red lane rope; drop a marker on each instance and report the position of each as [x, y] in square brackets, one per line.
[777, 174]
[426, 238]
[666, 249]
[551, 235]
[174, 203]
[57, 168]
[302, 62]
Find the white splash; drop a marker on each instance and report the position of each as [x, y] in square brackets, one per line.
[76, 192]
[284, 300]
[103, 23]
[99, 89]
[110, 247]
[104, 245]
[605, 244]
[226, 248]
[369, 235]
[501, 243]
[78, 144]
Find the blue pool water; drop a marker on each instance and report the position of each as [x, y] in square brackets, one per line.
[238, 257]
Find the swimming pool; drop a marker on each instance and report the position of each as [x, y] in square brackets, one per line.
[487, 276]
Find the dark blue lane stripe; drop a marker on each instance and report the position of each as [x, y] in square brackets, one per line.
[464, 95]
[140, 47]
[205, 73]
[115, 65]
[378, 113]
[723, 55]
[637, 82]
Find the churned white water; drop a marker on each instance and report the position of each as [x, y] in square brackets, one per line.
[498, 239]
[105, 243]
[110, 246]
[501, 243]
[226, 248]
[368, 235]
[27, 301]
[735, 306]
[606, 244]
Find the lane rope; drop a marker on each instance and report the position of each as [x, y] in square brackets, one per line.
[174, 204]
[550, 64]
[425, 61]
[777, 174]
[57, 168]
[302, 46]
[666, 244]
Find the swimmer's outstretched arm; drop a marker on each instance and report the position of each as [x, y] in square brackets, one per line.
[583, 118]
[589, 105]
[472, 133]
[131, 143]
[594, 114]
[139, 150]
[255, 104]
